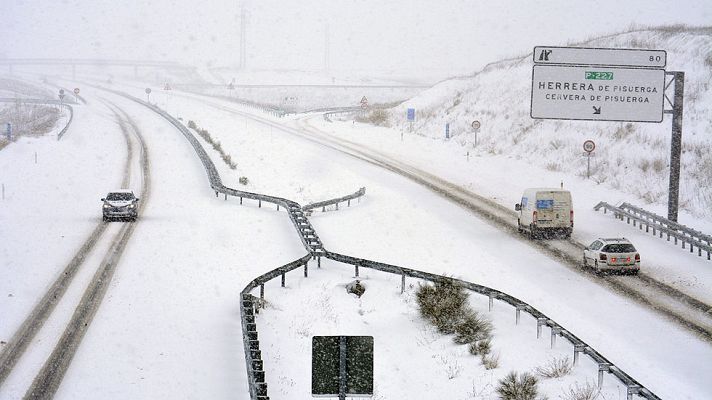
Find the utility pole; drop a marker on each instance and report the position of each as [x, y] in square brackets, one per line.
[243, 38]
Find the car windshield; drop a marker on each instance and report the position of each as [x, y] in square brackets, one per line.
[619, 248]
[120, 196]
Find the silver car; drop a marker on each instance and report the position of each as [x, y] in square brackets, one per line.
[120, 204]
[616, 254]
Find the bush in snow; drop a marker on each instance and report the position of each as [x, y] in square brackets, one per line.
[587, 391]
[555, 368]
[191, 124]
[480, 347]
[442, 304]
[490, 361]
[472, 328]
[216, 144]
[243, 180]
[518, 387]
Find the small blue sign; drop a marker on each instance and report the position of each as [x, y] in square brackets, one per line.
[545, 204]
[447, 131]
[411, 114]
[8, 131]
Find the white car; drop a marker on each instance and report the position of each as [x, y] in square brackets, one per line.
[121, 204]
[616, 254]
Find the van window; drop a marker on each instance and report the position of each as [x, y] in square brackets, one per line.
[524, 202]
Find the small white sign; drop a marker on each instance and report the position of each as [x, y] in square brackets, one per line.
[597, 93]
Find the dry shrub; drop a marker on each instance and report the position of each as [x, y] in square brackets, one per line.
[518, 387]
[555, 368]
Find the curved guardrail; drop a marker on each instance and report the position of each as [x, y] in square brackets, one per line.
[326, 203]
[250, 304]
[66, 127]
[670, 229]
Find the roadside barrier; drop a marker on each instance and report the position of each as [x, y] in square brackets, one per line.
[250, 304]
[660, 226]
[326, 203]
[43, 101]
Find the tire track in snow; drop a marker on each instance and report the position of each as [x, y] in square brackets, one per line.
[50, 376]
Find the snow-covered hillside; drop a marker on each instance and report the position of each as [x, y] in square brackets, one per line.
[630, 157]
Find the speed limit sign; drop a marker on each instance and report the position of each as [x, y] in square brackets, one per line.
[76, 90]
[589, 146]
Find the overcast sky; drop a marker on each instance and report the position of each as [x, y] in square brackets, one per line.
[447, 36]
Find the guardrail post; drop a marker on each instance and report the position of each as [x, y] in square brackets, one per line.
[318, 262]
[578, 348]
[491, 301]
[520, 307]
[632, 389]
[262, 291]
[240, 200]
[277, 207]
[216, 193]
[356, 271]
[348, 203]
[402, 283]
[539, 323]
[554, 332]
[225, 196]
[283, 278]
[306, 274]
[259, 203]
[603, 367]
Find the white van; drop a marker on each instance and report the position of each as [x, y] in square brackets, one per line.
[545, 212]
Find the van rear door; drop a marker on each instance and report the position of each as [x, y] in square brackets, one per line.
[553, 209]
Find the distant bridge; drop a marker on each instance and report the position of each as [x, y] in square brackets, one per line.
[74, 62]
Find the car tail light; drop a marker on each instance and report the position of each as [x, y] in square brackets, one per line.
[637, 258]
[571, 217]
[627, 259]
[613, 259]
[602, 257]
[534, 217]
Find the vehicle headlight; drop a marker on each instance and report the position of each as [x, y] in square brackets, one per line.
[132, 205]
[107, 206]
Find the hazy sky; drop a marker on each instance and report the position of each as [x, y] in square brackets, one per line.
[448, 36]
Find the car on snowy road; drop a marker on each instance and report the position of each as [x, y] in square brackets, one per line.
[613, 254]
[120, 204]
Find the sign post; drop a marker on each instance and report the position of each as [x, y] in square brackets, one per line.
[588, 147]
[475, 127]
[148, 94]
[597, 84]
[76, 95]
[61, 98]
[342, 366]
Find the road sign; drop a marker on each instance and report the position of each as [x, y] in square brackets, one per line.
[597, 93]
[447, 130]
[342, 366]
[411, 114]
[475, 124]
[61, 91]
[61, 96]
[8, 130]
[598, 56]
[589, 146]
[148, 90]
[364, 102]
[76, 90]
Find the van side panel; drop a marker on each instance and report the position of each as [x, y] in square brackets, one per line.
[553, 209]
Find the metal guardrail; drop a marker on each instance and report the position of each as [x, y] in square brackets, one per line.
[326, 203]
[693, 233]
[657, 228]
[250, 305]
[66, 127]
